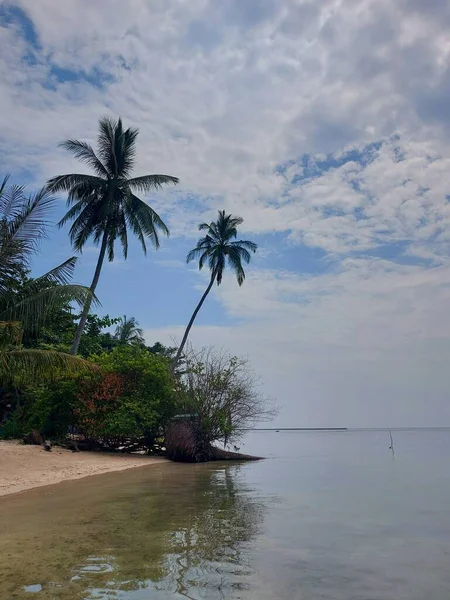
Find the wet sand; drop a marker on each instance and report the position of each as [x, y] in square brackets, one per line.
[25, 467]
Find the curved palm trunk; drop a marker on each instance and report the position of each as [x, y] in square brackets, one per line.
[87, 306]
[191, 322]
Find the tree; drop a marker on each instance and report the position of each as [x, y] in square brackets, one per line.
[218, 247]
[219, 399]
[94, 340]
[128, 331]
[158, 348]
[104, 205]
[25, 304]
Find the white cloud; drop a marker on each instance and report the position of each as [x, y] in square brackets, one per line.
[225, 94]
[364, 346]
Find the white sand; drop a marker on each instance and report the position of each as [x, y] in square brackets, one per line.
[25, 467]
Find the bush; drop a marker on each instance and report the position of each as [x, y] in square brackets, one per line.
[12, 427]
[130, 399]
[146, 401]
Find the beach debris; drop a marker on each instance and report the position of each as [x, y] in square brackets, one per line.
[34, 438]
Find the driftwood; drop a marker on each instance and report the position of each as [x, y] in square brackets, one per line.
[34, 439]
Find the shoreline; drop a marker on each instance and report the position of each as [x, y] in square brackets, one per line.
[24, 467]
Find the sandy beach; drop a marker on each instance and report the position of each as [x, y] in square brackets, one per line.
[25, 467]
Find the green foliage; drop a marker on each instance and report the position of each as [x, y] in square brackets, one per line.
[94, 340]
[219, 247]
[158, 348]
[50, 408]
[128, 331]
[131, 397]
[58, 333]
[12, 429]
[105, 203]
[27, 304]
[148, 381]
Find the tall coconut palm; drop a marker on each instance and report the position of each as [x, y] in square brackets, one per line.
[128, 331]
[104, 205]
[25, 304]
[218, 247]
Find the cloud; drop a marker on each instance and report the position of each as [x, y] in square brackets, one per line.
[365, 345]
[325, 124]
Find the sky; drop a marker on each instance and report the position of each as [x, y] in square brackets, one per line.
[324, 124]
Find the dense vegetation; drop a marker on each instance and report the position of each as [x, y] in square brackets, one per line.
[67, 372]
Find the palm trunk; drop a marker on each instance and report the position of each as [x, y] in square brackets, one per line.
[87, 306]
[191, 322]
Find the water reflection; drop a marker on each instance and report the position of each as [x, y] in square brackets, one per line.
[166, 532]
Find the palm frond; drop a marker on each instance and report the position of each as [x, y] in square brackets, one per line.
[146, 183]
[33, 310]
[106, 141]
[122, 234]
[22, 225]
[24, 365]
[126, 158]
[84, 226]
[149, 220]
[13, 258]
[247, 244]
[65, 183]
[12, 199]
[10, 334]
[29, 224]
[192, 254]
[61, 274]
[73, 212]
[3, 184]
[234, 258]
[128, 331]
[217, 265]
[84, 152]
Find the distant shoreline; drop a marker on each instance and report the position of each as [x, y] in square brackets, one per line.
[299, 429]
[351, 428]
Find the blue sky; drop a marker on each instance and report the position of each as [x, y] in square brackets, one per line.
[324, 127]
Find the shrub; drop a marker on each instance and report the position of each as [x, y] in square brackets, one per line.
[130, 399]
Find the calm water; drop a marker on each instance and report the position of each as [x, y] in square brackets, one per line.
[327, 516]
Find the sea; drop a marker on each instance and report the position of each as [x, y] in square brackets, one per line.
[329, 515]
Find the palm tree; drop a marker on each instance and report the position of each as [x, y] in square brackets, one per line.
[218, 247]
[25, 304]
[128, 331]
[104, 205]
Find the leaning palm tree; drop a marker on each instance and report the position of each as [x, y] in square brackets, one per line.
[128, 331]
[104, 205]
[218, 247]
[25, 304]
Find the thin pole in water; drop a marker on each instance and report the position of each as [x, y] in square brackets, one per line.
[391, 447]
